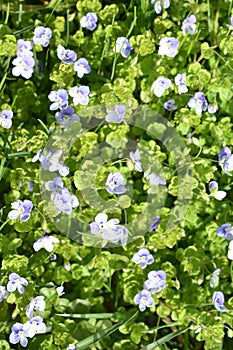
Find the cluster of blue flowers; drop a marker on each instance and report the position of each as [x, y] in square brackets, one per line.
[155, 283]
[20, 332]
[64, 201]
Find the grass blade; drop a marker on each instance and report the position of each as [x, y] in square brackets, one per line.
[88, 316]
[85, 343]
[164, 339]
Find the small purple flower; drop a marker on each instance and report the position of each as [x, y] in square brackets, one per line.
[135, 157]
[154, 223]
[123, 46]
[218, 301]
[116, 234]
[226, 231]
[154, 179]
[5, 118]
[160, 85]
[37, 304]
[23, 66]
[50, 162]
[24, 48]
[102, 224]
[82, 67]
[21, 209]
[16, 282]
[66, 56]
[213, 279]
[223, 155]
[160, 5]
[59, 99]
[144, 300]
[3, 293]
[115, 183]
[180, 81]
[66, 116]
[89, 21]
[189, 25]
[168, 46]
[45, 242]
[42, 36]
[71, 347]
[80, 95]
[170, 105]
[18, 334]
[198, 102]
[156, 281]
[34, 326]
[213, 187]
[143, 257]
[31, 186]
[228, 165]
[212, 108]
[64, 202]
[116, 115]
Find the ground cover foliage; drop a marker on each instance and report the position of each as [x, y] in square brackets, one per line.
[169, 65]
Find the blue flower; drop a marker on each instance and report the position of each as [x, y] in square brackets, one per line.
[160, 85]
[50, 162]
[144, 300]
[155, 223]
[198, 102]
[143, 257]
[135, 157]
[180, 81]
[3, 293]
[18, 334]
[24, 48]
[228, 164]
[213, 187]
[34, 326]
[218, 301]
[223, 155]
[16, 282]
[71, 347]
[66, 116]
[37, 304]
[82, 67]
[212, 108]
[156, 281]
[189, 25]
[89, 21]
[154, 179]
[23, 66]
[21, 209]
[115, 183]
[59, 99]
[80, 95]
[66, 56]
[117, 234]
[5, 118]
[102, 224]
[168, 46]
[42, 36]
[170, 105]
[31, 186]
[123, 46]
[226, 231]
[64, 202]
[214, 277]
[160, 4]
[45, 242]
[116, 115]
